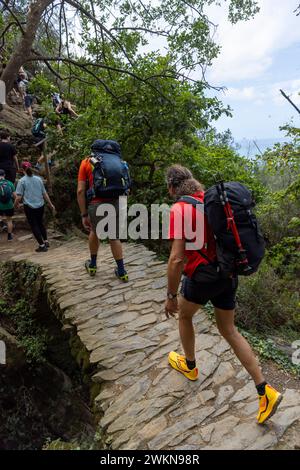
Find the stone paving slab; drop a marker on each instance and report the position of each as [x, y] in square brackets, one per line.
[144, 403]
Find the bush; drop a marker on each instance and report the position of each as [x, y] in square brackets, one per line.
[265, 302]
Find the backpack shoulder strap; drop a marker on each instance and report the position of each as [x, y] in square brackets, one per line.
[193, 201]
[190, 200]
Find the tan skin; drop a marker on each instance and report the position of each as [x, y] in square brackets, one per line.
[115, 245]
[186, 310]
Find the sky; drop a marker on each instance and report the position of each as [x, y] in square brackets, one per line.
[258, 57]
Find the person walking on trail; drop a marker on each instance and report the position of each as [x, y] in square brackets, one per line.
[31, 191]
[28, 102]
[8, 157]
[7, 196]
[194, 293]
[39, 133]
[102, 178]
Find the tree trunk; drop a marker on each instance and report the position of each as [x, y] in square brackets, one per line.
[23, 49]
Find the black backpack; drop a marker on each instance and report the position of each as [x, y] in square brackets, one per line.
[6, 192]
[240, 246]
[111, 177]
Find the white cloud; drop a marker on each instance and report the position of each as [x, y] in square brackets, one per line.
[266, 94]
[248, 47]
[241, 94]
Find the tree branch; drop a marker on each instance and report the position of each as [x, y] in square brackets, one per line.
[7, 7]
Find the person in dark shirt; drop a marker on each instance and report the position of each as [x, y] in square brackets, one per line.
[8, 157]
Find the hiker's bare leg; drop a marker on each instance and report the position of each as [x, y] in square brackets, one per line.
[93, 243]
[9, 224]
[29, 111]
[242, 349]
[116, 249]
[186, 328]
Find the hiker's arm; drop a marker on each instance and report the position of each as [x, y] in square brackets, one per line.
[81, 199]
[175, 265]
[48, 200]
[175, 268]
[16, 162]
[57, 110]
[18, 200]
[19, 194]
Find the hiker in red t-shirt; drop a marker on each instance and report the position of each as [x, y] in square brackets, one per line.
[186, 217]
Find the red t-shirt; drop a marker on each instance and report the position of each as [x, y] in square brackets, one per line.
[86, 174]
[189, 223]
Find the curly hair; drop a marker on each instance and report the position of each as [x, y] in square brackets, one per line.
[182, 181]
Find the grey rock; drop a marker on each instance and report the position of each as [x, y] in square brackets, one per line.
[163, 439]
[224, 372]
[246, 392]
[224, 394]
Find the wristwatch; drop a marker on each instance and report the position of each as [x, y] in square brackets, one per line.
[171, 296]
[84, 215]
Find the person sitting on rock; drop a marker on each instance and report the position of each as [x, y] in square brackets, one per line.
[7, 196]
[64, 110]
[195, 293]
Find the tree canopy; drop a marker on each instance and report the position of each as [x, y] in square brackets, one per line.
[105, 37]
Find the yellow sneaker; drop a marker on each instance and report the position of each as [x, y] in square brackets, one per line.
[268, 404]
[179, 363]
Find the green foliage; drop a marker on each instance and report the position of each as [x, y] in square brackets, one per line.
[30, 335]
[266, 303]
[42, 87]
[268, 351]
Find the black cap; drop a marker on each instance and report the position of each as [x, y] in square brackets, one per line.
[2, 172]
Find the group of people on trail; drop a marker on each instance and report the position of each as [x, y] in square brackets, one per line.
[30, 191]
[209, 274]
[232, 243]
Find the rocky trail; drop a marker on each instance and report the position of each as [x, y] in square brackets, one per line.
[143, 403]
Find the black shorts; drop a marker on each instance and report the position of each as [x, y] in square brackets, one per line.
[221, 293]
[7, 212]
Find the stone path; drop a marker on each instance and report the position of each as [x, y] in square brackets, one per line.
[146, 404]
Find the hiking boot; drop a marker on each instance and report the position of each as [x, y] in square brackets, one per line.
[91, 270]
[10, 237]
[41, 249]
[47, 244]
[124, 277]
[179, 363]
[268, 404]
